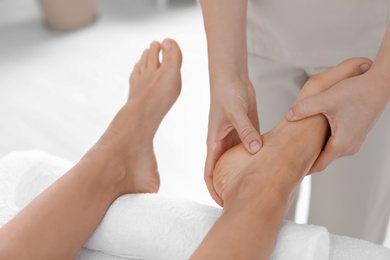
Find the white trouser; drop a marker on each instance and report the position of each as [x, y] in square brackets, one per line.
[352, 196]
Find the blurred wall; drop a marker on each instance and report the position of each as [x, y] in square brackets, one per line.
[12, 10]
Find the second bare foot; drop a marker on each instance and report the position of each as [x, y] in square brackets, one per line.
[154, 87]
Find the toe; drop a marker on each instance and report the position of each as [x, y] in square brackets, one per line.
[135, 73]
[153, 59]
[143, 62]
[171, 54]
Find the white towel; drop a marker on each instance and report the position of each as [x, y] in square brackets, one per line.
[144, 226]
[355, 249]
[13, 166]
[169, 228]
[151, 226]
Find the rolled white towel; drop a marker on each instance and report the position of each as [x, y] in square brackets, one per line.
[157, 227]
[151, 226]
[13, 166]
[38, 170]
[343, 248]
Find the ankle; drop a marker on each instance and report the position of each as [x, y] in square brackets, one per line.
[110, 167]
[252, 193]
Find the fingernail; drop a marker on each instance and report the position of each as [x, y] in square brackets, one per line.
[167, 45]
[290, 114]
[254, 146]
[364, 67]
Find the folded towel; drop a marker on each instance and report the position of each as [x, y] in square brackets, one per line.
[13, 166]
[168, 228]
[355, 249]
[151, 226]
[162, 225]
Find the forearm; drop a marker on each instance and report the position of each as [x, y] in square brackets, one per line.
[381, 65]
[225, 25]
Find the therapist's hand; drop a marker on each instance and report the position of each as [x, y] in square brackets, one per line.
[352, 107]
[232, 119]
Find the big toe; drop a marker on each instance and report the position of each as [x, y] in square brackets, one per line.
[172, 57]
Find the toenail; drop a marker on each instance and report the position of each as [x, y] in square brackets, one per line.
[167, 45]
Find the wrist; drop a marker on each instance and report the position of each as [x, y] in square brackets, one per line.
[380, 78]
[229, 86]
[228, 77]
[224, 70]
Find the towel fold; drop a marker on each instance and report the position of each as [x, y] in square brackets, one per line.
[151, 226]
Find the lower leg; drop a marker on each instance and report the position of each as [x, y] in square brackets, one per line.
[60, 220]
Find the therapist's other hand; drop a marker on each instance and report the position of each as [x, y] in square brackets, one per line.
[351, 106]
[232, 119]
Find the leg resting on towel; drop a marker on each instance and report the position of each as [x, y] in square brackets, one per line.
[256, 189]
[59, 221]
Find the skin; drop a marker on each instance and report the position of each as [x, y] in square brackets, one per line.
[352, 108]
[65, 215]
[233, 110]
[233, 106]
[257, 189]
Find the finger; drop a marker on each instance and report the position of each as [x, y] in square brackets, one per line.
[252, 109]
[349, 68]
[254, 117]
[208, 176]
[325, 80]
[310, 106]
[213, 192]
[249, 136]
[327, 156]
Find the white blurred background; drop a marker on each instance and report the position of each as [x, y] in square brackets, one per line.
[59, 91]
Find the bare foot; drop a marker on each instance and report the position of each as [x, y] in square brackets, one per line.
[154, 87]
[290, 148]
[285, 157]
[121, 162]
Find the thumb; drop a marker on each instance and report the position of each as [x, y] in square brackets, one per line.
[349, 68]
[248, 134]
[307, 107]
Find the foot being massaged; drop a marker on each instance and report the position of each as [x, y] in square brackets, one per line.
[256, 189]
